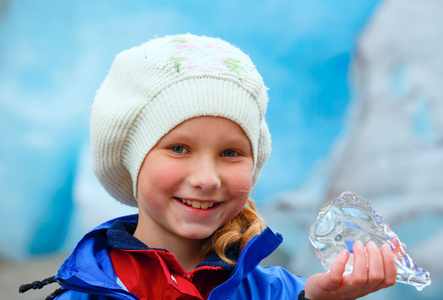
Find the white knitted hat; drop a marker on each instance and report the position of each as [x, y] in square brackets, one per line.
[152, 88]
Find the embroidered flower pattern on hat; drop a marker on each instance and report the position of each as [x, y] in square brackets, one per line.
[200, 57]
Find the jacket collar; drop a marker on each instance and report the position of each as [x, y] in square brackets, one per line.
[89, 268]
[90, 264]
[120, 236]
[258, 248]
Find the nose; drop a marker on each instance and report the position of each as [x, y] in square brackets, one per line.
[205, 175]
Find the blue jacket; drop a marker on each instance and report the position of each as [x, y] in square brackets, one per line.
[88, 272]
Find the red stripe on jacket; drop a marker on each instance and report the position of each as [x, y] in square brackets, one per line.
[157, 274]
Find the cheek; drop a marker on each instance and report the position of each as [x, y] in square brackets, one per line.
[165, 174]
[160, 178]
[240, 188]
[240, 182]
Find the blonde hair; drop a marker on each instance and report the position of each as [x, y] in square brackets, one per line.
[235, 233]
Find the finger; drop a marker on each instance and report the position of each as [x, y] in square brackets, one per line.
[335, 275]
[390, 267]
[359, 274]
[375, 266]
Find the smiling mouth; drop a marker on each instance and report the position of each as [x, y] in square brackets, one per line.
[196, 204]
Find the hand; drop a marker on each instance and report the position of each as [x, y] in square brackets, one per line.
[371, 272]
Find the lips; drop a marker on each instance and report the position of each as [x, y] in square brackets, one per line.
[196, 204]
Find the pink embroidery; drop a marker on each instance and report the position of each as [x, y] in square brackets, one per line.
[201, 57]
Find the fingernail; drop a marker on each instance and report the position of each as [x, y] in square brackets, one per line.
[371, 244]
[343, 253]
[358, 244]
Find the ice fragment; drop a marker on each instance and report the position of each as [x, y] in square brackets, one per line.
[350, 218]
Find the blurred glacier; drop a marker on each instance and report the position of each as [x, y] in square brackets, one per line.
[54, 55]
[390, 150]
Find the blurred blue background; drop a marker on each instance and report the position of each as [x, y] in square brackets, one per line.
[354, 104]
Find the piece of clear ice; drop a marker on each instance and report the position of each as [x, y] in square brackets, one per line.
[350, 218]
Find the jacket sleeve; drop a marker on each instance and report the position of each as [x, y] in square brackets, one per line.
[270, 283]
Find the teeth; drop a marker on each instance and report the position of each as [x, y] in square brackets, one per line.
[197, 204]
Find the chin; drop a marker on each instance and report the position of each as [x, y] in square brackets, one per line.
[197, 234]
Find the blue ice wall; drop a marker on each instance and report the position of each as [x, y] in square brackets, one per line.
[55, 54]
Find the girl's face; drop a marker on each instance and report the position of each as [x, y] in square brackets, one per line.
[194, 180]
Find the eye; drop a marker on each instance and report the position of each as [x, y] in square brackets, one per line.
[178, 149]
[229, 153]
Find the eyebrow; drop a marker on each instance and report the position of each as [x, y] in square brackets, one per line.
[236, 140]
[229, 139]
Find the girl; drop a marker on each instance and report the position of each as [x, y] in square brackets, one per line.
[178, 129]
